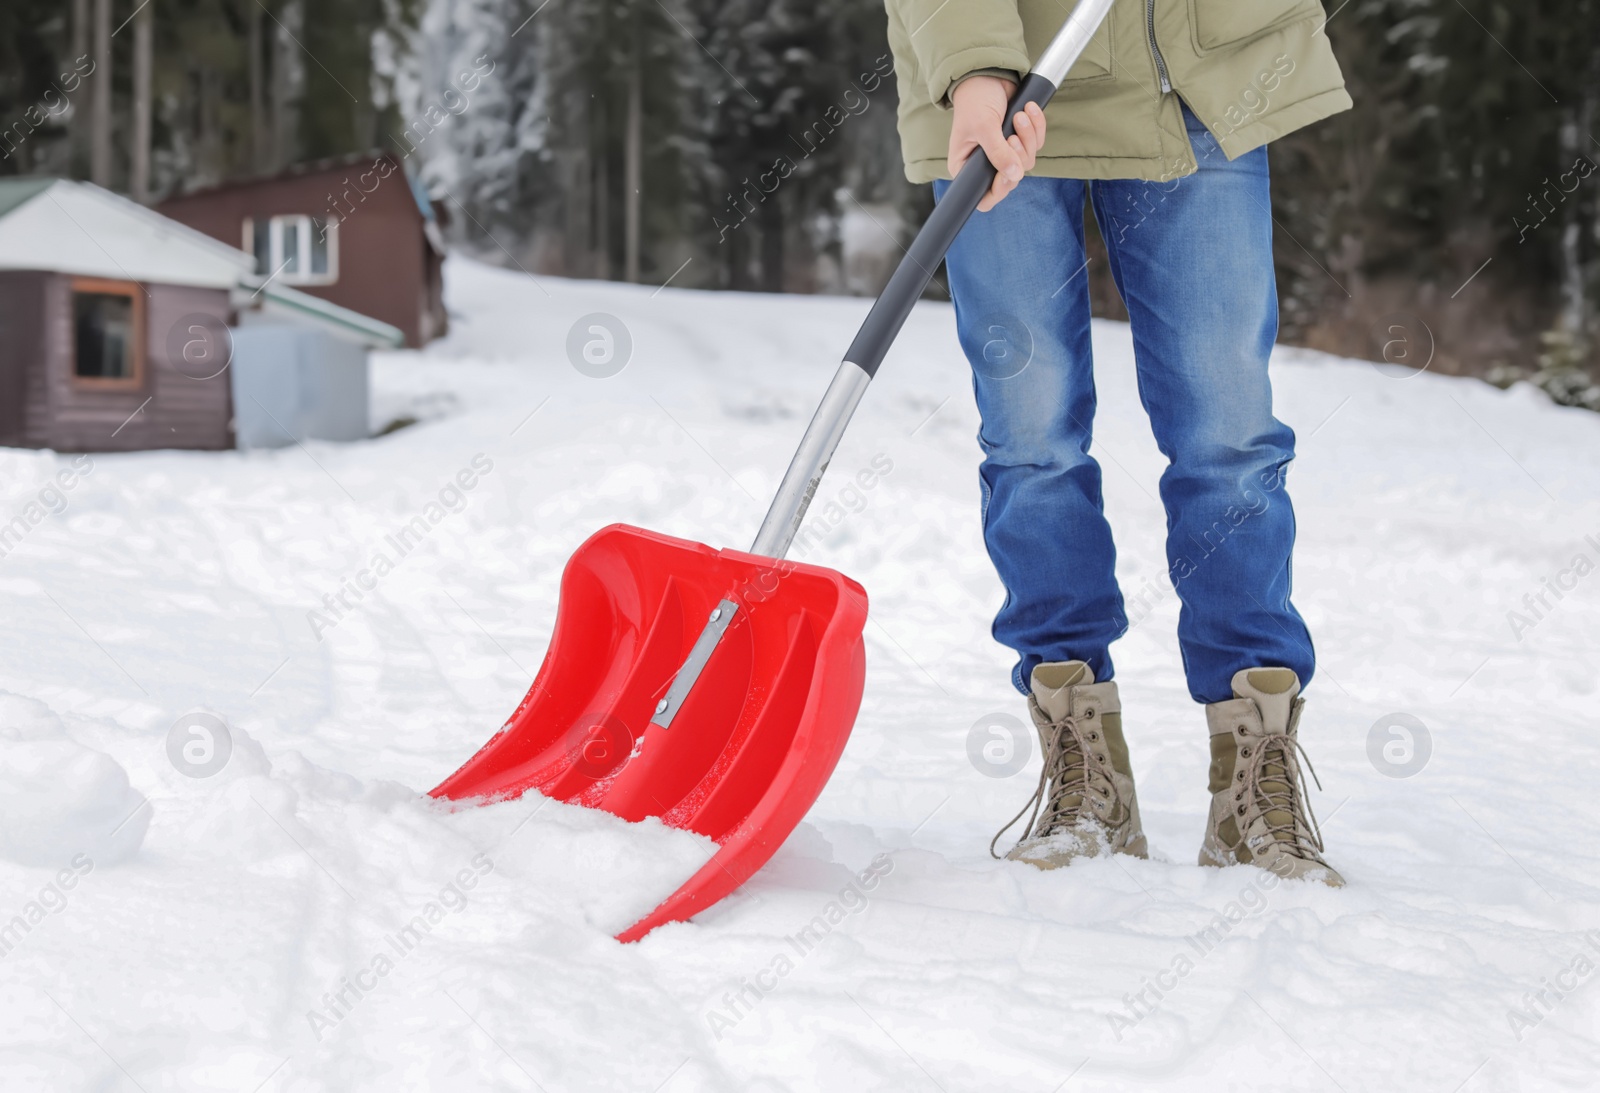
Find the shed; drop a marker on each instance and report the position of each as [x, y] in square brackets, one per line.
[115, 329]
[358, 231]
[299, 367]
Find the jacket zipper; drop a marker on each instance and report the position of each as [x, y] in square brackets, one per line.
[1155, 50]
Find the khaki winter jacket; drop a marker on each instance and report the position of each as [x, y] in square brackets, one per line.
[1251, 70]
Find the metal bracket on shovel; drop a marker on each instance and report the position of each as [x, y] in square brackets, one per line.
[694, 664]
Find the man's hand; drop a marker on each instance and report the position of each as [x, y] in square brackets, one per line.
[980, 109]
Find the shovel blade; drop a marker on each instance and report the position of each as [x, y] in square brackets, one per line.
[751, 746]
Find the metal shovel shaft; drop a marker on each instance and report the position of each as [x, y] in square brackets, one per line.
[905, 287]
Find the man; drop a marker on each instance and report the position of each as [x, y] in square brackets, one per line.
[1162, 126]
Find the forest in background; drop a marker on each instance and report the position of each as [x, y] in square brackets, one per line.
[1451, 218]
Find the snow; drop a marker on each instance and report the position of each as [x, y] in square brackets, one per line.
[59, 798]
[159, 614]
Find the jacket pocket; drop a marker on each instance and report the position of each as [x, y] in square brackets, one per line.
[1218, 23]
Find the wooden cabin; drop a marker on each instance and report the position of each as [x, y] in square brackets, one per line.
[359, 232]
[91, 288]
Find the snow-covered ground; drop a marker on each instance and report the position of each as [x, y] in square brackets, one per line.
[248, 929]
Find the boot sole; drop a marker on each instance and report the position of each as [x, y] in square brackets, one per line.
[1137, 847]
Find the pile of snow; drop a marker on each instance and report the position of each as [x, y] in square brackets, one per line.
[60, 802]
[227, 683]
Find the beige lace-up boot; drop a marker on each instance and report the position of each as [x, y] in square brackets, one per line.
[1084, 804]
[1259, 811]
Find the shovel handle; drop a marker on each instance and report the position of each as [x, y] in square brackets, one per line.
[906, 286]
[937, 236]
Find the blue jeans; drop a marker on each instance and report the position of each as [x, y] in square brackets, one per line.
[1192, 258]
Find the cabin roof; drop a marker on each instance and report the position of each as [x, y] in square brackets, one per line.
[282, 303]
[55, 225]
[61, 226]
[332, 164]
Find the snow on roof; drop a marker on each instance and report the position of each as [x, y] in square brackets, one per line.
[63, 226]
[14, 191]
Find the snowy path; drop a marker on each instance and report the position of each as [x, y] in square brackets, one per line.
[206, 942]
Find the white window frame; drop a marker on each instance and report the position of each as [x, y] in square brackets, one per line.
[276, 256]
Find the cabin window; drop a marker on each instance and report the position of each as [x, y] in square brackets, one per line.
[297, 250]
[107, 333]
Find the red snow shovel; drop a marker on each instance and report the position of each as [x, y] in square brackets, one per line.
[716, 689]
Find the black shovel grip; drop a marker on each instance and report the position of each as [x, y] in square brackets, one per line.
[927, 250]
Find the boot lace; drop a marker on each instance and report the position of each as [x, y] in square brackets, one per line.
[1299, 833]
[1070, 769]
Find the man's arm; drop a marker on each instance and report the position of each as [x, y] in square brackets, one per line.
[970, 55]
[955, 38]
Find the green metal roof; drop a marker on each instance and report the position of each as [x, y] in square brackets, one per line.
[19, 191]
[282, 298]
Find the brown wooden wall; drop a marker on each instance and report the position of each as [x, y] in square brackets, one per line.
[42, 407]
[387, 270]
[21, 328]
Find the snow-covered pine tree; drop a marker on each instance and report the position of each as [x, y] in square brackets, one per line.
[772, 119]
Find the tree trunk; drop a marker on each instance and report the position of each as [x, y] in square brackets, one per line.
[139, 169]
[259, 137]
[738, 259]
[1572, 272]
[283, 69]
[100, 98]
[1590, 268]
[80, 117]
[772, 244]
[632, 172]
[600, 143]
[580, 234]
[602, 193]
[80, 28]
